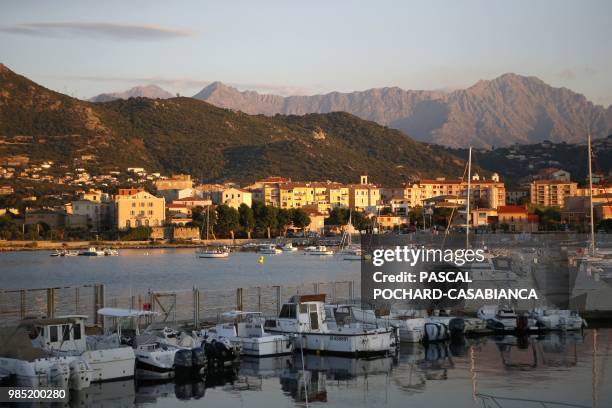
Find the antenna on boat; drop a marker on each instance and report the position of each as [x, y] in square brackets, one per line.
[467, 207]
[590, 154]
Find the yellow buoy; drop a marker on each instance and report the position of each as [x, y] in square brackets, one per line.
[261, 259]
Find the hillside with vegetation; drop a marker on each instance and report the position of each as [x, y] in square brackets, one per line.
[211, 143]
[519, 162]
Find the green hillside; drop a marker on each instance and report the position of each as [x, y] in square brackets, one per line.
[215, 144]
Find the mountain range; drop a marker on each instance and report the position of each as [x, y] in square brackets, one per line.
[500, 112]
[214, 144]
[147, 91]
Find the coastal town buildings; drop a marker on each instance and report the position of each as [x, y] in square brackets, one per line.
[552, 192]
[136, 207]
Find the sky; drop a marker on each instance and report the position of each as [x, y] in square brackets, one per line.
[84, 48]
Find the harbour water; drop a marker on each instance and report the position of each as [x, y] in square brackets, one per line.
[169, 269]
[554, 370]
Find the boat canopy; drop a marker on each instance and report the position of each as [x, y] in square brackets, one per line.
[52, 321]
[118, 312]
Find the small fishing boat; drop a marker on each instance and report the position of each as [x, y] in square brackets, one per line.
[92, 251]
[110, 252]
[288, 247]
[219, 252]
[505, 319]
[556, 319]
[269, 249]
[304, 317]
[321, 250]
[154, 360]
[34, 367]
[65, 336]
[247, 330]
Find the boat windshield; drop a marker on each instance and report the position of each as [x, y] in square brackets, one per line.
[288, 311]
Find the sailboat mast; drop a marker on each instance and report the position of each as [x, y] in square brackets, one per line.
[467, 207]
[591, 196]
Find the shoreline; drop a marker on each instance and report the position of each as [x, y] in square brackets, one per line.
[17, 246]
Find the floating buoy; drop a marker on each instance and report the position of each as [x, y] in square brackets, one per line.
[261, 259]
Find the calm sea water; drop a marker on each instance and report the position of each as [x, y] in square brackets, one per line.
[561, 370]
[552, 371]
[170, 269]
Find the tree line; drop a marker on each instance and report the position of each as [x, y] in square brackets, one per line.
[259, 220]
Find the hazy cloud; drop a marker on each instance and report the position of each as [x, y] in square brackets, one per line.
[570, 74]
[97, 30]
[567, 74]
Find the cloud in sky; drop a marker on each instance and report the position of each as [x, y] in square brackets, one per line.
[192, 84]
[98, 30]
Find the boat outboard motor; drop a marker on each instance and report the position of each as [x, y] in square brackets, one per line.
[183, 360]
[198, 358]
[456, 326]
[522, 323]
[435, 332]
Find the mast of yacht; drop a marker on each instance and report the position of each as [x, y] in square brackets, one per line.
[469, 193]
[591, 195]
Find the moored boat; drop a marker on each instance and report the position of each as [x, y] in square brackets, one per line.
[557, 319]
[247, 330]
[220, 252]
[288, 247]
[92, 251]
[319, 250]
[304, 317]
[269, 249]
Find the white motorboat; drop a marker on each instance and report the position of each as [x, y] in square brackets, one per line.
[35, 367]
[556, 319]
[92, 251]
[288, 247]
[347, 315]
[319, 250]
[411, 326]
[304, 317]
[247, 330]
[154, 360]
[269, 249]
[504, 318]
[111, 252]
[66, 336]
[220, 252]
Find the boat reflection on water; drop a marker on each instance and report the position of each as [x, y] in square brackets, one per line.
[495, 371]
[105, 394]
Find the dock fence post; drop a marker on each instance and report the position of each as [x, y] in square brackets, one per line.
[351, 291]
[259, 298]
[50, 303]
[76, 299]
[196, 307]
[278, 298]
[239, 299]
[22, 304]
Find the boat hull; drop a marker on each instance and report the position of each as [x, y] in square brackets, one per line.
[355, 344]
[110, 364]
[267, 346]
